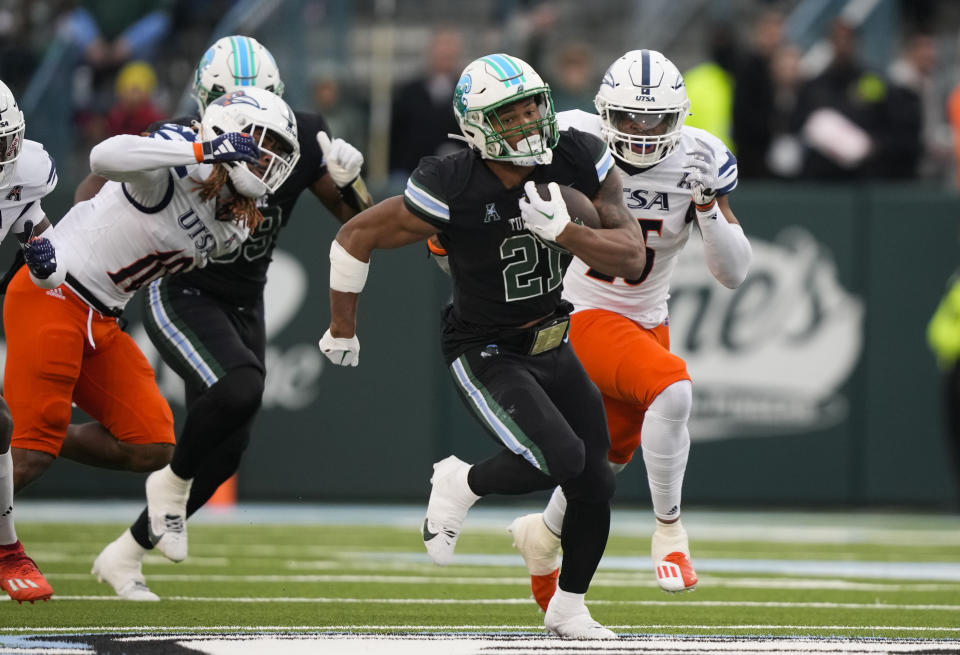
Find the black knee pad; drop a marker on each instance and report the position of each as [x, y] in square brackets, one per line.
[238, 394]
[595, 485]
[566, 461]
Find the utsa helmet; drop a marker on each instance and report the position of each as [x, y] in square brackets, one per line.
[12, 127]
[486, 86]
[259, 113]
[642, 104]
[235, 62]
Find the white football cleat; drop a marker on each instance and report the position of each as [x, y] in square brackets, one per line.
[670, 552]
[119, 565]
[167, 496]
[574, 622]
[450, 500]
[540, 549]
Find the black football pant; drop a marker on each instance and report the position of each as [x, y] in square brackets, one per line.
[219, 350]
[549, 417]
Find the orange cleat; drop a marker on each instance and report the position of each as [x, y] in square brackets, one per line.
[20, 577]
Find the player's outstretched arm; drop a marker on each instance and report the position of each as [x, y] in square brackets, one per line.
[342, 190]
[386, 225]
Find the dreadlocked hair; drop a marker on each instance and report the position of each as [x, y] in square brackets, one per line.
[242, 209]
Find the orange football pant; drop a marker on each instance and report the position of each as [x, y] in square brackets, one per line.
[630, 365]
[60, 351]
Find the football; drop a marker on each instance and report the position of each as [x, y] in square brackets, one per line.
[579, 206]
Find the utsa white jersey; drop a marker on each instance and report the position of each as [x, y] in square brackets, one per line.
[34, 177]
[660, 200]
[135, 231]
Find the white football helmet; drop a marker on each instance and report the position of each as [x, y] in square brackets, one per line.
[261, 114]
[485, 87]
[235, 62]
[12, 127]
[642, 104]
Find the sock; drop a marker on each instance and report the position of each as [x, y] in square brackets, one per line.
[553, 514]
[8, 535]
[666, 445]
[175, 482]
[130, 549]
[583, 539]
[567, 601]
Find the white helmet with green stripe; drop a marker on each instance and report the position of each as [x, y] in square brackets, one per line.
[488, 85]
[232, 63]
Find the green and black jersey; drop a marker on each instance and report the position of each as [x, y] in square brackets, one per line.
[503, 276]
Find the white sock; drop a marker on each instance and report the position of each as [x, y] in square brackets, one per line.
[176, 484]
[8, 534]
[666, 445]
[553, 514]
[567, 602]
[129, 548]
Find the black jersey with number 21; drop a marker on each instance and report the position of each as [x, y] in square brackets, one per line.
[503, 275]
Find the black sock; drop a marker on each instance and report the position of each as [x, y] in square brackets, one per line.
[586, 527]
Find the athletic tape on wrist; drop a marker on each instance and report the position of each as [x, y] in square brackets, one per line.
[347, 273]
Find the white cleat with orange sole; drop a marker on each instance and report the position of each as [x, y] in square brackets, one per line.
[670, 552]
[540, 549]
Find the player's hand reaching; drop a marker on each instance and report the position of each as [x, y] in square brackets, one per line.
[702, 176]
[340, 351]
[230, 147]
[342, 159]
[545, 218]
[39, 253]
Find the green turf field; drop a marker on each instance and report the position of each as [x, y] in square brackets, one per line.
[857, 575]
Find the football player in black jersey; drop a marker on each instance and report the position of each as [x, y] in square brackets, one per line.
[209, 324]
[504, 335]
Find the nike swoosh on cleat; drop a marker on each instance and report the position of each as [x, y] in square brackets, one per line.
[427, 535]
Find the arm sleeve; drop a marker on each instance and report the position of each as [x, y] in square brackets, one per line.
[726, 249]
[139, 159]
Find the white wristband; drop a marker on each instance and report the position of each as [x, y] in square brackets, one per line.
[347, 273]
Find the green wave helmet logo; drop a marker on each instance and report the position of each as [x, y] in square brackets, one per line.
[459, 99]
[205, 62]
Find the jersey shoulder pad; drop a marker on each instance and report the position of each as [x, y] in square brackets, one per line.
[175, 132]
[426, 193]
[35, 175]
[308, 124]
[581, 147]
[184, 121]
[579, 119]
[694, 138]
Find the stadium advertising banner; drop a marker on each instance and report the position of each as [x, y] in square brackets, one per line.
[801, 375]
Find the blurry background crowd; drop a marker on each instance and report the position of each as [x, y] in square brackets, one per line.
[832, 90]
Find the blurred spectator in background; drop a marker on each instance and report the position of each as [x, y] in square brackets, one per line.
[574, 84]
[346, 115]
[943, 337]
[784, 157]
[106, 35]
[914, 85]
[754, 97]
[710, 85]
[523, 27]
[134, 109]
[421, 117]
[841, 112]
